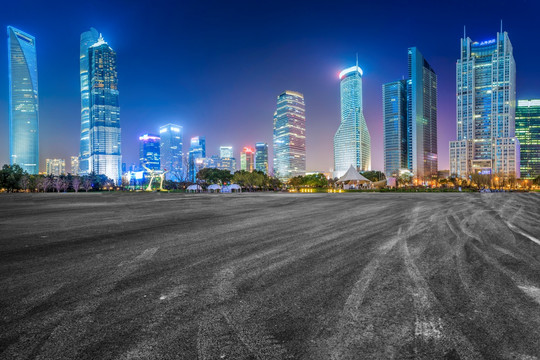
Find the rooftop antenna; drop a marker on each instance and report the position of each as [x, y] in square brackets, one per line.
[464, 32]
[356, 59]
[501, 28]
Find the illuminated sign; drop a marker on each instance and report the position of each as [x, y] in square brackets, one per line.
[485, 172]
[147, 137]
[486, 42]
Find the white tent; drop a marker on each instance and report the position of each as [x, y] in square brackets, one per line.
[231, 188]
[214, 188]
[353, 177]
[194, 188]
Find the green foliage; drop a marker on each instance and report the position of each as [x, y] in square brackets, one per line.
[11, 176]
[374, 175]
[214, 176]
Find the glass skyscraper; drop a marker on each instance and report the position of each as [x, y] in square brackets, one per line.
[352, 142]
[290, 136]
[197, 153]
[104, 112]
[421, 117]
[395, 127]
[23, 101]
[528, 134]
[261, 157]
[88, 38]
[226, 159]
[55, 167]
[486, 108]
[247, 159]
[171, 150]
[149, 151]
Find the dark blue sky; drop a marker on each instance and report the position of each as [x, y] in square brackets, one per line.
[216, 67]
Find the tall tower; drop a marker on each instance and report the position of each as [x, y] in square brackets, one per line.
[171, 150]
[528, 133]
[261, 157]
[150, 151]
[104, 112]
[247, 159]
[88, 38]
[421, 117]
[352, 142]
[395, 127]
[197, 153]
[23, 101]
[290, 135]
[226, 159]
[486, 109]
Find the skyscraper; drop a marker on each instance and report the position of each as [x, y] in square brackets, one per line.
[88, 38]
[149, 151]
[74, 165]
[197, 153]
[486, 105]
[104, 112]
[289, 135]
[55, 167]
[227, 160]
[171, 150]
[395, 127]
[261, 157]
[528, 134]
[246, 159]
[421, 117]
[352, 143]
[23, 101]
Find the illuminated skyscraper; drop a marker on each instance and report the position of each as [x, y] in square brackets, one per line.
[486, 109]
[74, 165]
[55, 167]
[290, 135]
[528, 133]
[246, 159]
[104, 112]
[197, 153]
[395, 127]
[23, 101]
[227, 160]
[149, 151]
[421, 117]
[171, 150]
[352, 142]
[88, 38]
[261, 157]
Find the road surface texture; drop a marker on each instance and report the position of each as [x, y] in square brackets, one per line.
[270, 276]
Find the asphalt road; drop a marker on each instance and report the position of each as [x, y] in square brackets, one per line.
[270, 276]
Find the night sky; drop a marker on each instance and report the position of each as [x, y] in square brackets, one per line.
[216, 67]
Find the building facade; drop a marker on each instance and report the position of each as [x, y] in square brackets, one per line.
[261, 157]
[395, 127]
[104, 112]
[88, 38]
[352, 142]
[74, 165]
[171, 151]
[227, 161]
[23, 100]
[150, 152]
[197, 153]
[421, 117]
[55, 167]
[486, 106]
[528, 134]
[289, 138]
[247, 157]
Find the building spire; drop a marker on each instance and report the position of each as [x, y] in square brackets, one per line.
[356, 59]
[464, 32]
[501, 28]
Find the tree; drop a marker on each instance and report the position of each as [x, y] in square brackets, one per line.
[25, 182]
[315, 180]
[10, 177]
[76, 183]
[65, 184]
[295, 182]
[57, 183]
[405, 178]
[87, 184]
[374, 175]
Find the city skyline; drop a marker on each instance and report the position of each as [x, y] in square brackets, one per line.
[322, 101]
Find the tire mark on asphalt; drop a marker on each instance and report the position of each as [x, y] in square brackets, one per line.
[521, 232]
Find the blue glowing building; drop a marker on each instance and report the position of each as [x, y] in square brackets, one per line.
[261, 157]
[395, 127]
[171, 150]
[197, 155]
[23, 101]
[149, 152]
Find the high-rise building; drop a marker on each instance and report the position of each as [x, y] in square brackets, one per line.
[528, 134]
[290, 135]
[352, 142]
[246, 159]
[104, 112]
[227, 160]
[88, 38]
[421, 117]
[74, 165]
[261, 157]
[197, 153]
[171, 150]
[486, 108]
[395, 127]
[23, 100]
[55, 167]
[149, 151]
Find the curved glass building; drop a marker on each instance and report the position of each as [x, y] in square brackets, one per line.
[23, 100]
[352, 143]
